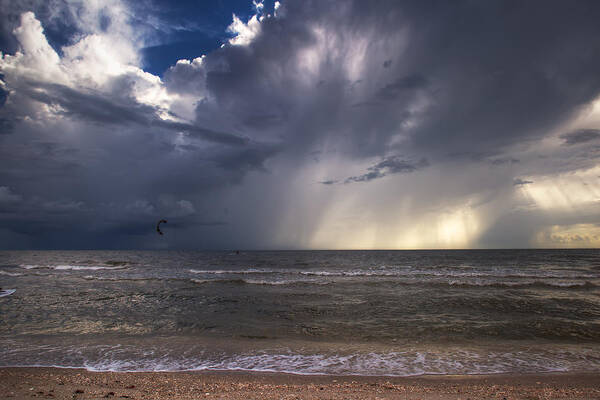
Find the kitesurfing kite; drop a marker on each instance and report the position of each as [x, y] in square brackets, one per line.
[158, 226]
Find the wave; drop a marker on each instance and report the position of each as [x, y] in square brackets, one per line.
[123, 358]
[531, 284]
[283, 277]
[203, 281]
[451, 283]
[351, 273]
[117, 263]
[115, 279]
[450, 274]
[132, 279]
[174, 279]
[71, 267]
[258, 282]
[295, 272]
[199, 281]
[10, 273]
[235, 272]
[487, 284]
[402, 273]
[389, 282]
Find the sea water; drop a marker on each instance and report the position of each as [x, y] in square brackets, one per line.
[395, 313]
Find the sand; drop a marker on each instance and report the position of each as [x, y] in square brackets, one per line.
[57, 383]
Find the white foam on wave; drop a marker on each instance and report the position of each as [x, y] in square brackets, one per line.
[7, 292]
[450, 274]
[70, 267]
[84, 267]
[518, 284]
[27, 266]
[349, 273]
[233, 272]
[409, 280]
[284, 282]
[10, 273]
[397, 363]
[258, 282]
[116, 279]
[407, 272]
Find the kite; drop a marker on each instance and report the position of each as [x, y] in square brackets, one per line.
[158, 226]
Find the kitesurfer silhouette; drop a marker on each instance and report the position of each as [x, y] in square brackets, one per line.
[162, 221]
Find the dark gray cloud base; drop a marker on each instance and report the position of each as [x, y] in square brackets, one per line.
[388, 166]
[580, 136]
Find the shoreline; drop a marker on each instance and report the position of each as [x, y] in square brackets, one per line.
[78, 383]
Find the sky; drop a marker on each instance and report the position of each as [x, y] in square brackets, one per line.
[299, 124]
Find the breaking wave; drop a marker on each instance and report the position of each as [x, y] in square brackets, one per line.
[10, 273]
[72, 267]
[258, 282]
[128, 358]
[402, 273]
[438, 283]
[234, 272]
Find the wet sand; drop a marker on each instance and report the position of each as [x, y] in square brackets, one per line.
[57, 383]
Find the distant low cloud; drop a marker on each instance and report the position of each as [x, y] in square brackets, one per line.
[504, 160]
[389, 166]
[521, 182]
[580, 136]
[105, 109]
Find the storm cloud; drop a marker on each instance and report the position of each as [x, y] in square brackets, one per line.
[307, 124]
[388, 166]
[580, 136]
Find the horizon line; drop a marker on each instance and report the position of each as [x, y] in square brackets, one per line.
[290, 250]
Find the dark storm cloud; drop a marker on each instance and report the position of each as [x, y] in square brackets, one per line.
[580, 136]
[94, 107]
[393, 90]
[6, 125]
[484, 90]
[262, 121]
[250, 158]
[488, 157]
[504, 160]
[389, 166]
[492, 88]
[113, 110]
[3, 94]
[203, 133]
[521, 182]
[456, 84]
[8, 198]
[51, 224]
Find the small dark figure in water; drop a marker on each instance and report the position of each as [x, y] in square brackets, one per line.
[237, 252]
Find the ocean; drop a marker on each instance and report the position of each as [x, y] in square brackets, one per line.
[392, 313]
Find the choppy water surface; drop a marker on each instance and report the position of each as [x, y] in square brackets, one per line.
[313, 312]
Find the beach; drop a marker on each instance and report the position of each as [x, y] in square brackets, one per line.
[283, 199]
[64, 383]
